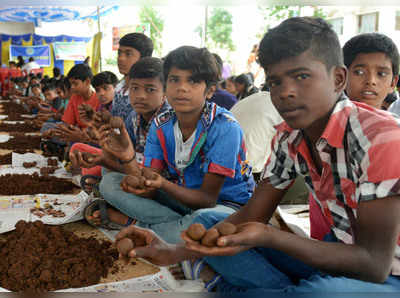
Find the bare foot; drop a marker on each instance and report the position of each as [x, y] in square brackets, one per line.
[206, 273]
[113, 215]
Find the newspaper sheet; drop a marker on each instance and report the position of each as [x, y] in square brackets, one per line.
[297, 218]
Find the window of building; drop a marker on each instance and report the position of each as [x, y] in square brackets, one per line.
[368, 22]
[337, 25]
[397, 20]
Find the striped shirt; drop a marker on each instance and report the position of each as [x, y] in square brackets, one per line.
[358, 149]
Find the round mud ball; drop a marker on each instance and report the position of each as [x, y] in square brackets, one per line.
[196, 231]
[124, 246]
[148, 174]
[116, 122]
[210, 238]
[226, 228]
[132, 181]
[106, 116]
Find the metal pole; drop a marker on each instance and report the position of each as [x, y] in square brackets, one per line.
[98, 29]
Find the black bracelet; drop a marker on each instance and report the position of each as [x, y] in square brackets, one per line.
[127, 161]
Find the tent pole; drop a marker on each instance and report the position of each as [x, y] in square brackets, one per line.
[99, 30]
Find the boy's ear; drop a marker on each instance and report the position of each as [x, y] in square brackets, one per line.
[394, 82]
[340, 73]
[88, 81]
[210, 91]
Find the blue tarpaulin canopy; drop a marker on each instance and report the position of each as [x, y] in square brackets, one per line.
[37, 14]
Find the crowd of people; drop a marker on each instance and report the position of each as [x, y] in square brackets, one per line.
[173, 144]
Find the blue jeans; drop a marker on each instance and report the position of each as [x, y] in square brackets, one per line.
[162, 214]
[261, 270]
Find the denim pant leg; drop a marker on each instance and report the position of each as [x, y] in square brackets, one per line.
[246, 270]
[142, 209]
[171, 231]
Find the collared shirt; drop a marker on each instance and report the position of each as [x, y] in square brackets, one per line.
[358, 149]
[218, 148]
[121, 104]
[138, 128]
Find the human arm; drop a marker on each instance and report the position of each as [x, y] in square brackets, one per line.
[369, 258]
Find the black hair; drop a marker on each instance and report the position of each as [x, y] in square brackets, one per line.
[198, 60]
[231, 78]
[295, 36]
[80, 72]
[148, 67]
[243, 79]
[31, 59]
[105, 77]
[140, 42]
[35, 85]
[390, 98]
[63, 84]
[371, 43]
[251, 77]
[48, 87]
[12, 63]
[56, 72]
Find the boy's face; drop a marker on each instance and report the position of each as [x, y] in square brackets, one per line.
[79, 87]
[50, 94]
[146, 95]
[230, 87]
[105, 93]
[60, 93]
[370, 79]
[127, 56]
[303, 91]
[184, 94]
[36, 91]
[239, 87]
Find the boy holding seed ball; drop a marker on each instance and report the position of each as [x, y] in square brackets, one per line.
[347, 153]
[198, 144]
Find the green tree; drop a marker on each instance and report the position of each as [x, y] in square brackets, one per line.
[219, 30]
[148, 14]
[277, 13]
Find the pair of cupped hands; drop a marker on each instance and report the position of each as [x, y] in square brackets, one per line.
[111, 134]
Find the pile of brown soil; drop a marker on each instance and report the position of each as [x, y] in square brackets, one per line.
[13, 108]
[24, 184]
[6, 159]
[18, 127]
[38, 258]
[22, 142]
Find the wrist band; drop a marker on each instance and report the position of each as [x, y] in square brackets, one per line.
[127, 161]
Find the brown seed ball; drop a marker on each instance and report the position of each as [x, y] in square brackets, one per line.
[226, 228]
[210, 238]
[148, 174]
[106, 116]
[116, 122]
[132, 181]
[124, 246]
[196, 231]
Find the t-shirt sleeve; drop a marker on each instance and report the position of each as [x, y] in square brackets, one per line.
[380, 169]
[224, 143]
[69, 115]
[279, 170]
[153, 153]
[129, 128]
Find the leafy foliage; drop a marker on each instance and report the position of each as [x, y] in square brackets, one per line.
[148, 14]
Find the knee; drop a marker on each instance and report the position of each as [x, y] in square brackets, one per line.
[110, 183]
[208, 218]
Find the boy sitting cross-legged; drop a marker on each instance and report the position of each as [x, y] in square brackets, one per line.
[199, 144]
[347, 153]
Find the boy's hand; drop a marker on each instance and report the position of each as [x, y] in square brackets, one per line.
[153, 179]
[247, 235]
[114, 139]
[85, 160]
[86, 113]
[148, 246]
[135, 185]
[69, 133]
[101, 118]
